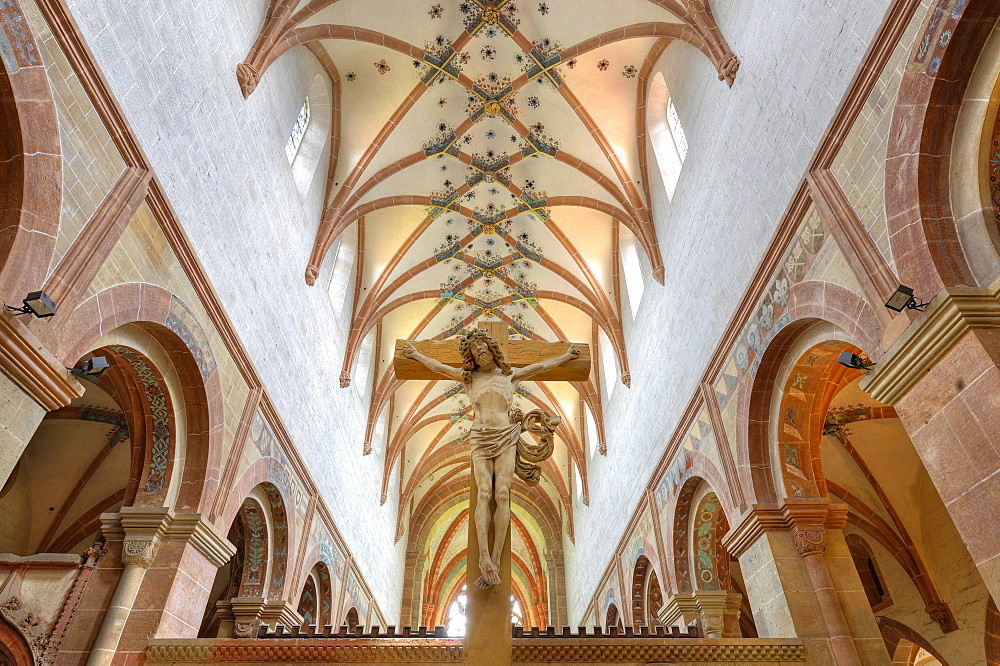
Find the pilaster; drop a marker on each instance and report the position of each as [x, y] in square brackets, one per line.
[942, 376]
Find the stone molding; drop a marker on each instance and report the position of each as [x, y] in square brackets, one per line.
[450, 650]
[676, 608]
[88, 253]
[953, 312]
[136, 526]
[33, 367]
[795, 515]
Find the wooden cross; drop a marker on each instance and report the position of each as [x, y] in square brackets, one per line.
[487, 634]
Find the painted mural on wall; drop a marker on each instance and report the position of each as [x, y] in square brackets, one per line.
[701, 439]
[17, 45]
[356, 597]
[937, 35]
[711, 562]
[160, 413]
[770, 316]
[642, 541]
[281, 472]
[182, 321]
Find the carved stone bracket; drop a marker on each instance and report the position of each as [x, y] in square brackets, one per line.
[941, 614]
[142, 529]
[807, 520]
[808, 542]
[247, 611]
[139, 552]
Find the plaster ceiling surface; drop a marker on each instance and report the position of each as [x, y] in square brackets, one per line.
[488, 152]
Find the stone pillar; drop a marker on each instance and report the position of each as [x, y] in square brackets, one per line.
[786, 565]
[170, 561]
[808, 531]
[942, 376]
[556, 568]
[139, 545]
[227, 619]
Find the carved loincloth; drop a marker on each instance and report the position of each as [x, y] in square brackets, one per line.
[490, 442]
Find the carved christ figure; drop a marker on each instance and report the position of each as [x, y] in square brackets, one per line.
[498, 450]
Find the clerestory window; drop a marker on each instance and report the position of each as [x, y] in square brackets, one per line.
[298, 131]
[666, 133]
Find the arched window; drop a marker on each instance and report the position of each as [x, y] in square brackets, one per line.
[635, 277]
[457, 613]
[871, 579]
[665, 133]
[308, 145]
[298, 131]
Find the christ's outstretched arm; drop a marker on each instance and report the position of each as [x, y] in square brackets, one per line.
[528, 371]
[437, 366]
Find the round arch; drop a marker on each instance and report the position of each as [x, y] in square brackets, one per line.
[30, 168]
[168, 320]
[793, 439]
[923, 236]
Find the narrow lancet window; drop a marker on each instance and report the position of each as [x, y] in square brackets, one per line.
[298, 131]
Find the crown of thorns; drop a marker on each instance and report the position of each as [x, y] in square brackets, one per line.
[475, 334]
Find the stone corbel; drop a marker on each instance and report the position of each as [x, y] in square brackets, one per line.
[720, 613]
[144, 530]
[247, 613]
[953, 312]
[30, 365]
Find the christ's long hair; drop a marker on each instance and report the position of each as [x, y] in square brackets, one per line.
[469, 364]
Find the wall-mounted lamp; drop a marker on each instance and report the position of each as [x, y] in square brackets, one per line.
[854, 361]
[92, 368]
[903, 299]
[37, 303]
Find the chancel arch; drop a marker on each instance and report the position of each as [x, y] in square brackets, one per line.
[143, 316]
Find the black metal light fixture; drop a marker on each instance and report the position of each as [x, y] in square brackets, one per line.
[36, 303]
[854, 361]
[904, 299]
[92, 368]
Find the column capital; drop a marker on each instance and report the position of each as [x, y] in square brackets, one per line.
[30, 365]
[153, 524]
[794, 514]
[953, 312]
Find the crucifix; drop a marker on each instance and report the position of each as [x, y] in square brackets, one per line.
[490, 366]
